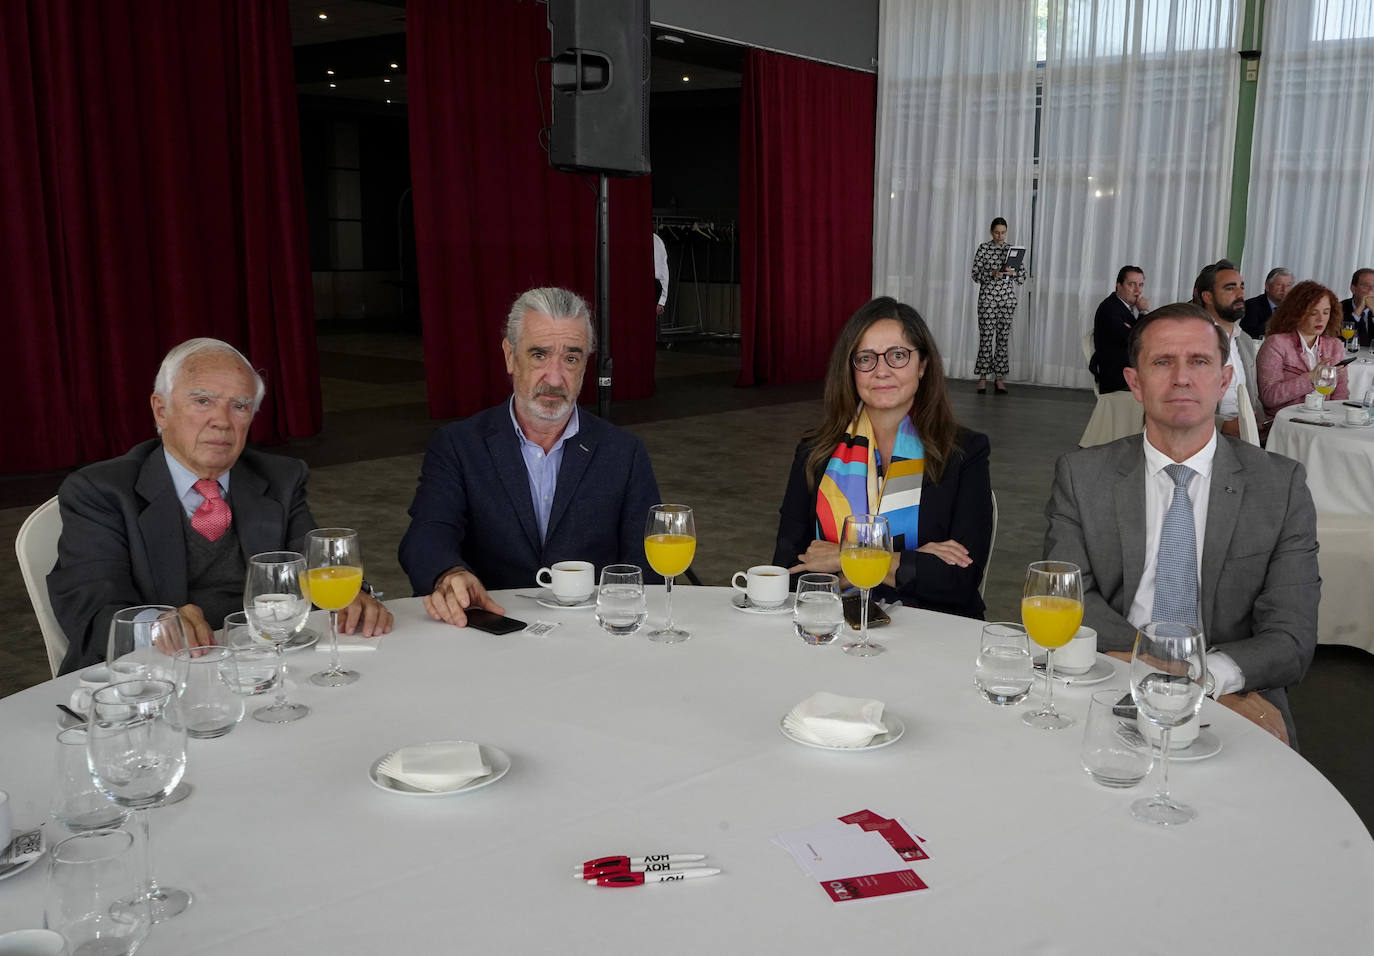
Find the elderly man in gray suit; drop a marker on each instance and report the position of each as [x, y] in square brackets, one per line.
[1249, 559]
[175, 520]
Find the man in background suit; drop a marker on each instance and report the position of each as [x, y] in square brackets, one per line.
[1255, 585]
[1257, 310]
[1361, 292]
[529, 482]
[1112, 328]
[1220, 290]
[175, 520]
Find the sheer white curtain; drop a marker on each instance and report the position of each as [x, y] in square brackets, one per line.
[956, 114]
[1137, 138]
[1311, 202]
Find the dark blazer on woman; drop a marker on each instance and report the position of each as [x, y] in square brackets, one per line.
[958, 507]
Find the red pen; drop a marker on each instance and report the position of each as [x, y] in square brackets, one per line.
[641, 879]
[586, 872]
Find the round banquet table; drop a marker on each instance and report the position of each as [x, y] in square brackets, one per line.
[1339, 460]
[621, 745]
[1360, 374]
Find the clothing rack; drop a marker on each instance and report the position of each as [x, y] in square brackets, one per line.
[702, 257]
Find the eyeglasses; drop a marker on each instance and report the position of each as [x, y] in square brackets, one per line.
[896, 357]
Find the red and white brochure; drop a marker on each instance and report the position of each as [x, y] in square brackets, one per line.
[860, 860]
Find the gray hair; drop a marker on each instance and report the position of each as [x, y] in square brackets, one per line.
[553, 302]
[171, 367]
[1275, 273]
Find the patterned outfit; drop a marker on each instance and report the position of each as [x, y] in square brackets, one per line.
[996, 306]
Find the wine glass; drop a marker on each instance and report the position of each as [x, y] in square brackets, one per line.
[865, 559]
[1348, 333]
[136, 748]
[276, 598]
[1168, 674]
[670, 542]
[1052, 610]
[1325, 382]
[142, 641]
[336, 575]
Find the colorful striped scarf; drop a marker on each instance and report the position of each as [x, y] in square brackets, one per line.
[851, 484]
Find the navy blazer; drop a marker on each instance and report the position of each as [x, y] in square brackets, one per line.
[1364, 325]
[1111, 333]
[123, 540]
[473, 509]
[958, 507]
[1257, 313]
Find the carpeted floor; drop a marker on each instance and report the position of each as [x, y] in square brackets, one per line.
[365, 462]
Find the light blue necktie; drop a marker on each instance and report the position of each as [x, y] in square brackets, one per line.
[1176, 566]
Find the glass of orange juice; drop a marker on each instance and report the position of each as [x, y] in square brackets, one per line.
[1051, 610]
[670, 543]
[865, 559]
[336, 575]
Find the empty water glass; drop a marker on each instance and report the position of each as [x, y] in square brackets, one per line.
[1114, 753]
[77, 803]
[207, 683]
[93, 897]
[620, 604]
[1003, 671]
[819, 612]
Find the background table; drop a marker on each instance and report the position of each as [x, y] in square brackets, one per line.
[1339, 460]
[1360, 374]
[618, 744]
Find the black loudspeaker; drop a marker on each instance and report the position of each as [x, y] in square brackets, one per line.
[600, 74]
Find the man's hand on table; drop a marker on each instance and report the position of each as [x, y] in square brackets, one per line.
[367, 611]
[456, 591]
[198, 631]
[1257, 710]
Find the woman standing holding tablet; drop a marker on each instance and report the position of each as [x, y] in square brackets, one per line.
[996, 306]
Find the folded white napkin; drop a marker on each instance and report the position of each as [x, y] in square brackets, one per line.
[833, 721]
[436, 767]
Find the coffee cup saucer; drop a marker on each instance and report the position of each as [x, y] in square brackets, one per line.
[546, 599]
[740, 602]
[1101, 670]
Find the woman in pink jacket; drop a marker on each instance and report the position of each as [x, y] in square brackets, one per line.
[1301, 339]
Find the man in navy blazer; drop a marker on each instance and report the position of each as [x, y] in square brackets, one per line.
[532, 481]
[1257, 310]
[1112, 329]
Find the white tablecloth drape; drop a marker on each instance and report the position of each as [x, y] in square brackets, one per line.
[1339, 460]
[620, 745]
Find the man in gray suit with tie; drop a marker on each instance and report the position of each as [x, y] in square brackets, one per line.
[175, 520]
[1247, 568]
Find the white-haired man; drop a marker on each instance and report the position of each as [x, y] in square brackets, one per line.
[175, 520]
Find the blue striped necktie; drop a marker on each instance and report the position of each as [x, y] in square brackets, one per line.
[1176, 566]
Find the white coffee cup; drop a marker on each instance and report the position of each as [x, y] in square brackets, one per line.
[92, 679]
[1312, 401]
[764, 584]
[32, 942]
[1356, 416]
[1079, 655]
[6, 821]
[1179, 737]
[572, 582]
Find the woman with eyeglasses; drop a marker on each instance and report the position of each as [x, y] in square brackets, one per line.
[889, 444]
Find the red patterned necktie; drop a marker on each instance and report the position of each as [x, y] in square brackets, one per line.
[212, 518]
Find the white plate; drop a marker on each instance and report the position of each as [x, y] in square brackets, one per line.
[1349, 425]
[1206, 744]
[494, 757]
[307, 637]
[741, 603]
[14, 869]
[1101, 670]
[895, 729]
[544, 598]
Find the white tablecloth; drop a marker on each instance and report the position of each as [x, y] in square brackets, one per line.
[1360, 374]
[620, 745]
[1339, 460]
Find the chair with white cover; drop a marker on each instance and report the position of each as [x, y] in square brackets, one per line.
[1116, 415]
[1249, 428]
[36, 548]
[992, 543]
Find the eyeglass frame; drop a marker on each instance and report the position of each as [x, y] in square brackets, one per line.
[885, 355]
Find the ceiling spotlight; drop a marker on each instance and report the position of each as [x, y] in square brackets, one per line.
[331, 73]
[395, 66]
[686, 79]
[386, 79]
[333, 86]
[323, 16]
[388, 101]
[671, 38]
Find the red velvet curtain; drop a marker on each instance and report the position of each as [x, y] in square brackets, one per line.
[492, 218]
[150, 184]
[806, 212]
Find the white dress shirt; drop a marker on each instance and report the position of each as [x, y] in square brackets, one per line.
[1229, 407]
[661, 268]
[1159, 494]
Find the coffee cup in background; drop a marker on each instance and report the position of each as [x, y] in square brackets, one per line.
[1179, 737]
[765, 585]
[1079, 655]
[1356, 416]
[572, 582]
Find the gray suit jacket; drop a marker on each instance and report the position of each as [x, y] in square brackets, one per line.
[123, 542]
[1246, 349]
[1260, 585]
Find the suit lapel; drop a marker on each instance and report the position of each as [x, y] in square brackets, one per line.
[577, 454]
[1226, 491]
[255, 515]
[509, 466]
[1128, 495]
[160, 523]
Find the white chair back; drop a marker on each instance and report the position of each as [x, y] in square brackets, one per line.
[1088, 354]
[992, 543]
[36, 548]
[1249, 428]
